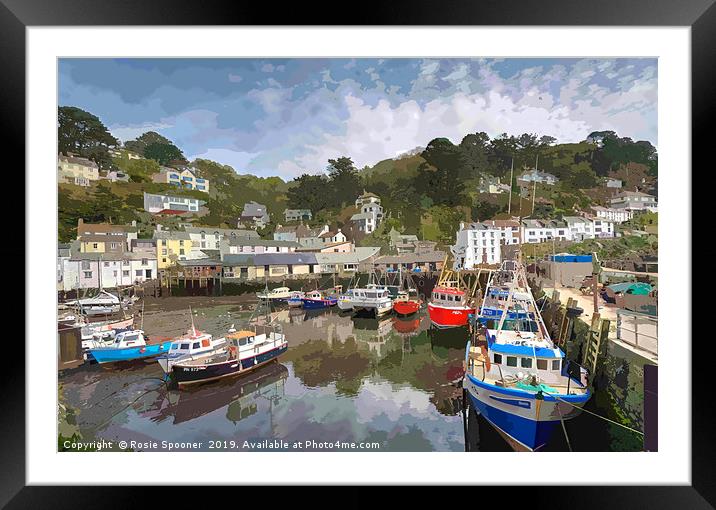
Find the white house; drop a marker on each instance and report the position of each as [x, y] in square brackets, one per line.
[167, 204]
[182, 178]
[615, 215]
[236, 246]
[477, 243]
[634, 201]
[209, 238]
[535, 175]
[370, 215]
[540, 231]
[107, 270]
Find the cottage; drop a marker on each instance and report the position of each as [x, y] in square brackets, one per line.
[75, 170]
[285, 265]
[237, 245]
[110, 270]
[297, 214]
[104, 237]
[254, 214]
[172, 246]
[370, 215]
[209, 238]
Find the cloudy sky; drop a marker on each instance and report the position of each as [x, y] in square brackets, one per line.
[289, 116]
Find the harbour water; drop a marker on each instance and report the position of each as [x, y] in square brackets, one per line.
[345, 383]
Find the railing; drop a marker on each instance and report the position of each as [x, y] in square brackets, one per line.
[638, 330]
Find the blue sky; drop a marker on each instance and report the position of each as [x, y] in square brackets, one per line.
[289, 116]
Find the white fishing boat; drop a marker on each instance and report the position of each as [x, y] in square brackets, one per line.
[516, 377]
[192, 346]
[277, 294]
[373, 298]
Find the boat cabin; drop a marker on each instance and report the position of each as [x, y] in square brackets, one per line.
[279, 291]
[447, 296]
[134, 338]
[241, 341]
[190, 345]
[314, 294]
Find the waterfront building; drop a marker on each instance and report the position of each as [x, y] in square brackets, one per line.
[238, 245]
[476, 244]
[107, 270]
[172, 246]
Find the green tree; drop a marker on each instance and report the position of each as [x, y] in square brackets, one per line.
[82, 133]
[344, 180]
[475, 148]
[165, 154]
[439, 177]
[308, 192]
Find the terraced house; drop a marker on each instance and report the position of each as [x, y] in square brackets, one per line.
[104, 237]
[76, 170]
[172, 246]
[183, 178]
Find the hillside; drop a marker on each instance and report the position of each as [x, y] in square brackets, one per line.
[427, 194]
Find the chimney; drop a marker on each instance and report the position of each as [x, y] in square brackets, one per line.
[462, 225]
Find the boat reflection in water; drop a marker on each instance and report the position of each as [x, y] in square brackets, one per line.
[240, 397]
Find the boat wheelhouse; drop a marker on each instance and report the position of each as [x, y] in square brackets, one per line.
[516, 377]
[373, 298]
[245, 351]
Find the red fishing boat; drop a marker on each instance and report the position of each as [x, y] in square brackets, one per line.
[449, 308]
[405, 304]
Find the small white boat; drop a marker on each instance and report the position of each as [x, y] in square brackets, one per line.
[101, 304]
[192, 346]
[374, 298]
[277, 294]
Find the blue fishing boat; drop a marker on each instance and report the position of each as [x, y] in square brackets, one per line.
[295, 300]
[127, 346]
[315, 300]
[516, 377]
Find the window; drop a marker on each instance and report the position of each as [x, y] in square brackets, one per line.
[497, 358]
[555, 365]
[125, 273]
[114, 273]
[542, 364]
[526, 362]
[88, 274]
[106, 264]
[94, 245]
[181, 251]
[511, 361]
[164, 251]
[145, 262]
[184, 347]
[195, 345]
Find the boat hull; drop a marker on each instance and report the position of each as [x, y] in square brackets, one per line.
[294, 303]
[187, 375]
[444, 317]
[108, 355]
[406, 307]
[317, 304]
[526, 421]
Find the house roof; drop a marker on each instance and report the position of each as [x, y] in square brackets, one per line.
[253, 209]
[102, 238]
[226, 232]
[244, 241]
[135, 242]
[268, 259]
[128, 255]
[360, 254]
[632, 194]
[75, 160]
[200, 262]
[361, 216]
[241, 259]
[171, 235]
[412, 258]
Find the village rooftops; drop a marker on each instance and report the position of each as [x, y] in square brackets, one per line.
[225, 232]
[360, 254]
[412, 258]
[171, 235]
[110, 256]
[200, 262]
[239, 259]
[361, 216]
[277, 259]
[84, 229]
[243, 241]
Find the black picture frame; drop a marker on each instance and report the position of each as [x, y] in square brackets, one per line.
[700, 15]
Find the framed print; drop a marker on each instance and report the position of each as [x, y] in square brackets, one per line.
[424, 250]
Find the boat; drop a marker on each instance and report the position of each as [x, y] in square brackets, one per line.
[127, 346]
[106, 330]
[345, 301]
[407, 302]
[373, 298]
[295, 299]
[449, 307]
[451, 304]
[277, 294]
[516, 377]
[194, 345]
[315, 300]
[246, 350]
[104, 303]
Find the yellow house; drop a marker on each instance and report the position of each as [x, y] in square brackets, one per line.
[76, 170]
[171, 247]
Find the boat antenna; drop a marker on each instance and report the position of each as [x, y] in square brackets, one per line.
[193, 328]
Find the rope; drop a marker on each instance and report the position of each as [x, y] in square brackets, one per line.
[564, 429]
[600, 416]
